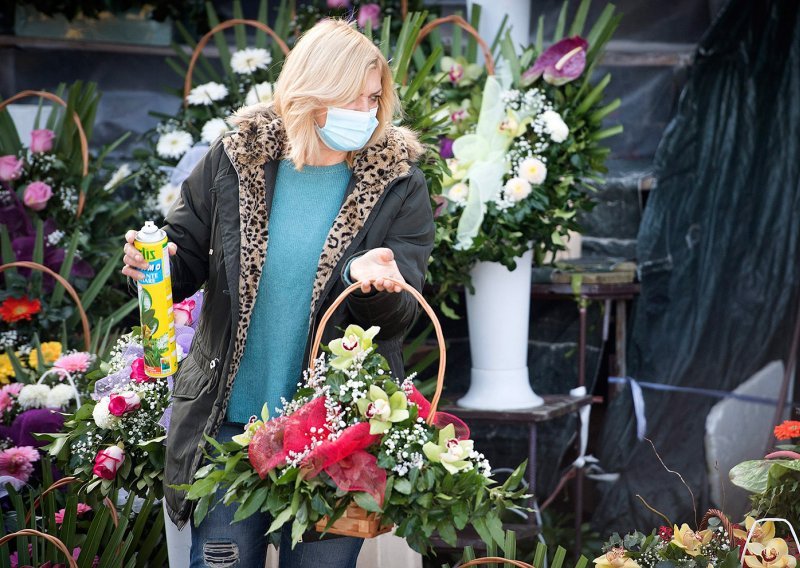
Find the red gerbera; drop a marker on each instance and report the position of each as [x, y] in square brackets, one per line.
[788, 430]
[16, 309]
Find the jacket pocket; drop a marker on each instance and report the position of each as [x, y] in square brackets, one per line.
[197, 374]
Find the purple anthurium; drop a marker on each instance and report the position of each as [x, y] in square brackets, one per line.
[560, 63]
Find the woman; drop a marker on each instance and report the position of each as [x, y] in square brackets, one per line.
[323, 172]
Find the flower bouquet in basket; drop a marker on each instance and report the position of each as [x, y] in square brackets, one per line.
[357, 452]
[115, 440]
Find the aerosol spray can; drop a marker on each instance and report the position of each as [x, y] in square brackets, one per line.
[155, 304]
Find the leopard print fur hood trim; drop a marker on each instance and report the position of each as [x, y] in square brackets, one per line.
[261, 138]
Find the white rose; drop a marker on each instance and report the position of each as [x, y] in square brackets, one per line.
[517, 189]
[555, 126]
[458, 193]
[260, 93]
[532, 170]
[59, 396]
[33, 396]
[102, 417]
[213, 129]
[174, 144]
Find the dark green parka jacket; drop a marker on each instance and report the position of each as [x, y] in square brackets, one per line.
[220, 224]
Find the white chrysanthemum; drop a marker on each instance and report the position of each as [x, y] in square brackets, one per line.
[174, 144]
[167, 194]
[532, 170]
[102, 417]
[250, 60]
[122, 172]
[260, 93]
[555, 126]
[458, 193]
[207, 93]
[517, 189]
[59, 396]
[33, 396]
[213, 129]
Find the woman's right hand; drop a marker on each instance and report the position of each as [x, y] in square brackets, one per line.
[133, 259]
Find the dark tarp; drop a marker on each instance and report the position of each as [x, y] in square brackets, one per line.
[718, 253]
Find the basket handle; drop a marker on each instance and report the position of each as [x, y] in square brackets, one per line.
[495, 559]
[87, 334]
[187, 83]
[64, 481]
[425, 306]
[81, 132]
[726, 523]
[53, 540]
[464, 25]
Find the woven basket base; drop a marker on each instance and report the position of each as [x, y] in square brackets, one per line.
[354, 522]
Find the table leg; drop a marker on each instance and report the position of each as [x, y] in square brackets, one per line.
[621, 338]
[582, 345]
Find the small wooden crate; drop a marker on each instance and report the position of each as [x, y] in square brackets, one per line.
[355, 522]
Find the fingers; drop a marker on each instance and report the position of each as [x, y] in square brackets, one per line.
[172, 248]
[385, 255]
[130, 236]
[384, 284]
[133, 257]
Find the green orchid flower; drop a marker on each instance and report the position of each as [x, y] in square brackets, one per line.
[459, 72]
[354, 342]
[451, 452]
[382, 409]
[245, 437]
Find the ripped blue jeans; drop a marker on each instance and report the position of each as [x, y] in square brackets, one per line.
[220, 543]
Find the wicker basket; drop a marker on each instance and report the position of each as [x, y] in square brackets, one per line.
[187, 83]
[87, 334]
[356, 521]
[726, 523]
[496, 560]
[81, 133]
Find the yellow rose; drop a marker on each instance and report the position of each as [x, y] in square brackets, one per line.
[51, 350]
[6, 370]
[773, 554]
[763, 533]
[615, 558]
[690, 541]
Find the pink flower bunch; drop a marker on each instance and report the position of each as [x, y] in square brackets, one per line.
[10, 168]
[124, 403]
[137, 372]
[18, 462]
[75, 362]
[108, 461]
[42, 140]
[8, 396]
[81, 509]
[369, 13]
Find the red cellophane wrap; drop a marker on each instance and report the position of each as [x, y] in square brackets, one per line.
[345, 458]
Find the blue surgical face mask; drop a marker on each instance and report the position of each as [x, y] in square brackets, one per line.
[348, 130]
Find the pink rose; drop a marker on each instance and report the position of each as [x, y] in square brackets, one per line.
[182, 312]
[107, 462]
[332, 4]
[42, 140]
[369, 13]
[80, 510]
[36, 195]
[10, 167]
[137, 372]
[123, 403]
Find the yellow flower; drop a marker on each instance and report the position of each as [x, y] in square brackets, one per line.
[763, 533]
[773, 554]
[615, 558]
[6, 370]
[51, 350]
[688, 540]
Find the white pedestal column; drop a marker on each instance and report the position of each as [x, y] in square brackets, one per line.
[179, 542]
[498, 316]
[492, 13]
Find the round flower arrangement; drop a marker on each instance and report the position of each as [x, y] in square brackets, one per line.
[178, 142]
[354, 435]
[116, 438]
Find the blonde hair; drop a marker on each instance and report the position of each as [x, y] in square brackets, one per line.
[328, 67]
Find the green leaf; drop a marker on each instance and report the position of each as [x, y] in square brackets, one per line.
[366, 502]
[510, 56]
[240, 33]
[447, 532]
[219, 39]
[66, 268]
[752, 475]
[6, 251]
[93, 538]
[562, 20]
[280, 520]
[19, 372]
[580, 18]
[251, 504]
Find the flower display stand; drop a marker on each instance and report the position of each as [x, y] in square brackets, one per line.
[498, 319]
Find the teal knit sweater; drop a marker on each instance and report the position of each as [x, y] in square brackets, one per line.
[304, 206]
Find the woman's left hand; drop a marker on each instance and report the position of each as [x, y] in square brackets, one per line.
[373, 268]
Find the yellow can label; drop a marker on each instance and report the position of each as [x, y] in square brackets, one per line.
[155, 311]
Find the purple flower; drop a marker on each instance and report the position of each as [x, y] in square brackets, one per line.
[333, 4]
[183, 337]
[446, 147]
[369, 13]
[560, 63]
[40, 420]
